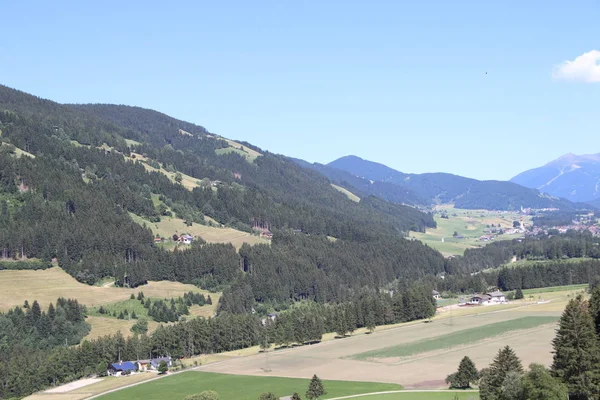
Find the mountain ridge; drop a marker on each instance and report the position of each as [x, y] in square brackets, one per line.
[439, 187]
[571, 176]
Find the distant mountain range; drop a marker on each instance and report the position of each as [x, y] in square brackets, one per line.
[573, 177]
[376, 179]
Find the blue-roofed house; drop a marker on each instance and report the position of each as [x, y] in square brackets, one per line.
[121, 368]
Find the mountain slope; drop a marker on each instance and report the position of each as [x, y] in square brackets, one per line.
[573, 177]
[97, 165]
[448, 188]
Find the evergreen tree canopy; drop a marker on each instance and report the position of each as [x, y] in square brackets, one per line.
[315, 388]
[576, 353]
[492, 378]
[467, 373]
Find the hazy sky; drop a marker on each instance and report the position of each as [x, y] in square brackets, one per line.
[479, 88]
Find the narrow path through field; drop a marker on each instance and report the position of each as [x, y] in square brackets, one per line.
[407, 391]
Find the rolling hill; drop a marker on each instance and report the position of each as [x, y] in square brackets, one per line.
[573, 177]
[438, 188]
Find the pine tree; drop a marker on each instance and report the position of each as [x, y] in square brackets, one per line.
[492, 378]
[315, 388]
[296, 396]
[519, 294]
[595, 307]
[209, 300]
[467, 373]
[132, 297]
[36, 311]
[51, 312]
[576, 351]
[267, 396]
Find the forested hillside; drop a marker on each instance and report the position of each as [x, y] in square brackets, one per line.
[435, 188]
[71, 199]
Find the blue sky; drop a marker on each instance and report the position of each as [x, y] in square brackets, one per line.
[402, 83]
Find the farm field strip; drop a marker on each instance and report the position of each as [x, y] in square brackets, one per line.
[331, 359]
[239, 387]
[462, 337]
[417, 395]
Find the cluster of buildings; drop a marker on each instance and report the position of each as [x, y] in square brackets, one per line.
[131, 367]
[593, 229]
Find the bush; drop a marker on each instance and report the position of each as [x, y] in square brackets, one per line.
[206, 395]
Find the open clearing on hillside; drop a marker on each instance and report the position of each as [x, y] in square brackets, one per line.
[460, 338]
[348, 193]
[235, 147]
[169, 226]
[46, 286]
[238, 387]
[188, 182]
[102, 326]
[468, 223]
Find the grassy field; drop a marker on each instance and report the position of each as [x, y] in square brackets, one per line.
[46, 286]
[468, 223]
[18, 152]
[348, 193]
[170, 225]
[189, 182]
[102, 326]
[106, 384]
[239, 387]
[554, 289]
[460, 338]
[235, 147]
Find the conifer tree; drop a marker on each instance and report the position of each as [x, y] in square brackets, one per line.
[315, 388]
[51, 312]
[467, 373]
[492, 378]
[519, 294]
[594, 304]
[576, 352]
[296, 396]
